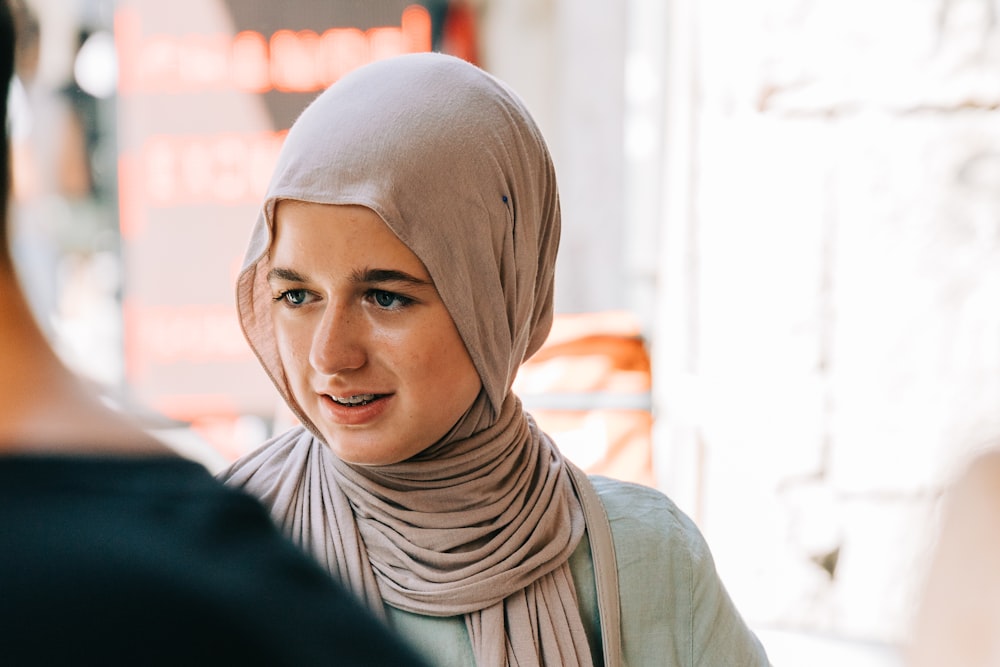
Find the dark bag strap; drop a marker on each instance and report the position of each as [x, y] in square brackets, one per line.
[602, 548]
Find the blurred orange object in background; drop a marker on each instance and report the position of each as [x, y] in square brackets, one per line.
[589, 388]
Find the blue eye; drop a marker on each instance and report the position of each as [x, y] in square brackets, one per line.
[293, 297]
[389, 300]
[385, 299]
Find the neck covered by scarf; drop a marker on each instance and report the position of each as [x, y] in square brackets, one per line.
[481, 523]
[485, 532]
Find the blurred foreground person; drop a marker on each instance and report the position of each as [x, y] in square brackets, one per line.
[399, 273]
[958, 622]
[117, 552]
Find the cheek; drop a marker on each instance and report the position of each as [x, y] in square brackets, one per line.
[448, 365]
[293, 348]
[428, 350]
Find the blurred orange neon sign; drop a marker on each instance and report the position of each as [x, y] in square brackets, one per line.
[288, 61]
[189, 332]
[180, 170]
[218, 168]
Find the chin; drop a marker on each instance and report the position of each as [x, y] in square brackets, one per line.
[365, 459]
[364, 451]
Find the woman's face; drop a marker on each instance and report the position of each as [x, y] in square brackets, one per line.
[370, 352]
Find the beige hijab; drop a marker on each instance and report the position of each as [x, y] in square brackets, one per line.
[481, 523]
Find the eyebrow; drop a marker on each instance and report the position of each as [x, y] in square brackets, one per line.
[285, 274]
[387, 276]
[359, 276]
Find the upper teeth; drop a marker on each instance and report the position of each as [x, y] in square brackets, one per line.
[354, 400]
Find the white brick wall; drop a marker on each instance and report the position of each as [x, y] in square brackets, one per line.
[846, 208]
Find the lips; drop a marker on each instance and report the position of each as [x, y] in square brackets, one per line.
[354, 410]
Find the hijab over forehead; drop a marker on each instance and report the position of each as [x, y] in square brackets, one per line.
[451, 160]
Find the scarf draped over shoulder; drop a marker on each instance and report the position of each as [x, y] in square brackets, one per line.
[482, 522]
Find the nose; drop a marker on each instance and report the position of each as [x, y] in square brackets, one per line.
[338, 344]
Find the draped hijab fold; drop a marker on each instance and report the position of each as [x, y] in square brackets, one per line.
[482, 522]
